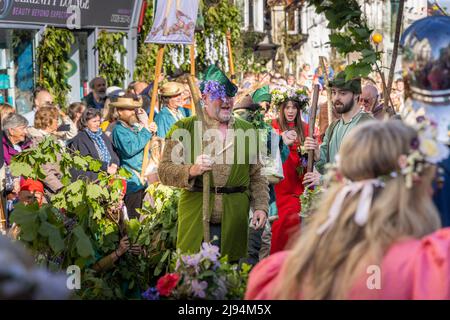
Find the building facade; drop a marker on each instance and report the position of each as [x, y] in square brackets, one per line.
[303, 34]
[22, 24]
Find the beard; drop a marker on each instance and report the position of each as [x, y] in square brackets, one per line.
[343, 108]
[101, 95]
[131, 120]
[223, 114]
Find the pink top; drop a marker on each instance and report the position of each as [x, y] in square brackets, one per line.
[411, 269]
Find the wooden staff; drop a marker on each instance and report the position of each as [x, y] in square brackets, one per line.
[206, 177]
[192, 55]
[3, 225]
[158, 67]
[311, 124]
[230, 57]
[327, 84]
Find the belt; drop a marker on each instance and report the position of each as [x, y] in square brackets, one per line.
[221, 190]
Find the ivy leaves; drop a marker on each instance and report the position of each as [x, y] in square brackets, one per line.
[108, 45]
[350, 34]
[52, 56]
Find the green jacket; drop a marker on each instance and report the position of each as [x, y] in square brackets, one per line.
[235, 205]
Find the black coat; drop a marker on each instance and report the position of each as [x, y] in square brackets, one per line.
[81, 142]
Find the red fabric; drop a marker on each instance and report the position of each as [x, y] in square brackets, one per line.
[287, 193]
[412, 269]
[31, 185]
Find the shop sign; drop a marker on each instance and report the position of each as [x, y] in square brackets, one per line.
[63, 13]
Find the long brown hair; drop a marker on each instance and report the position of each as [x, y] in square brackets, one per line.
[326, 266]
[298, 127]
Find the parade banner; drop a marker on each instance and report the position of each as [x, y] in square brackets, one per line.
[92, 13]
[174, 22]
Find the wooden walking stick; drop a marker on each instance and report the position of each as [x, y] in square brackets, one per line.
[206, 177]
[230, 57]
[192, 55]
[327, 84]
[158, 67]
[311, 124]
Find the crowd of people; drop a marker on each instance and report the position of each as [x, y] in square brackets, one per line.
[382, 198]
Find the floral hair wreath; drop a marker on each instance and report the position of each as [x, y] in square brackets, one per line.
[280, 95]
[425, 150]
[215, 90]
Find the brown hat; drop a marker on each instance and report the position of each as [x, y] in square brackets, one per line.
[126, 102]
[171, 89]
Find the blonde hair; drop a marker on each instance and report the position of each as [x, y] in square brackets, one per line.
[326, 266]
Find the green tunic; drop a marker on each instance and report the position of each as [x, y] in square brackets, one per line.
[236, 206]
[333, 140]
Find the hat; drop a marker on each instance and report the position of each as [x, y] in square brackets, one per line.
[126, 102]
[213, 73]
[31, 185]
[353, 85]
[114, 92]
[171, 89]
[262, 94]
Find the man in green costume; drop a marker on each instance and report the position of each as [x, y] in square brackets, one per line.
[236, 185]
[345, 97]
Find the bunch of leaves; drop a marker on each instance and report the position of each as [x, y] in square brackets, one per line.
[160, 227]
[204, 275]
[53, 54]
[350, 33]
[76, 228]
[309, 200]
[108, 45]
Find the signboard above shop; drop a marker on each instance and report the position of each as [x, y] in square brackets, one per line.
[116, 14]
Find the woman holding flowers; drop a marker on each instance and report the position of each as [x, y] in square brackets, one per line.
[293, 131]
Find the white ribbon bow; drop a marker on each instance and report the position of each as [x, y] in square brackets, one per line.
[364, 203]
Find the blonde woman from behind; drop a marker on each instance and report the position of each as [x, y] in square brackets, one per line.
[374, 235]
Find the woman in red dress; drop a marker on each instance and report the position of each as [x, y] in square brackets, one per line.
[293, 130]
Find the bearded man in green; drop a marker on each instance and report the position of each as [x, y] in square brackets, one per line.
[233, 164]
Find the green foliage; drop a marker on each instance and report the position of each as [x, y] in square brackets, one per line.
[52, 56]
[108, 45]
[161, 227]
[77, 227]
[308, 200]
[350, 33]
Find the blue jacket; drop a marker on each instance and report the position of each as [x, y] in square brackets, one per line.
[441, 195]
[165, 120]
[130, 144]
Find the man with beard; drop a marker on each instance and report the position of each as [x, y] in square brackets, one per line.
[345, 97]
[130, 136]
[96, 99]
[236, 184]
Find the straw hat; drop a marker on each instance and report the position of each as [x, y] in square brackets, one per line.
[171, 89]
[126, 102]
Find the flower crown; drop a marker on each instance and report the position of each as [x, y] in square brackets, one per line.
[426, 150]
[215, 89]
[280, 95]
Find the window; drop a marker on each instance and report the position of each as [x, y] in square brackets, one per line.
[258, 15]
[243, 7]
[292, 21]
[16, 68]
